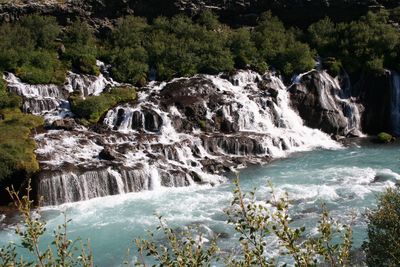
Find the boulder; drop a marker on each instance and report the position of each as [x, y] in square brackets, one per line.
[384, 138]
[108, 154]
[64, 124]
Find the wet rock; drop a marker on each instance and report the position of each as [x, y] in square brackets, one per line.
[137, 120]
[323, 105]
[152, 121]
[64, 124]
[108, 154]
[384, 138]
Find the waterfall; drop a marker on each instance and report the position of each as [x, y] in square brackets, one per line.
[61, 187]
[184, 132]
[50, 100]
[395, 102]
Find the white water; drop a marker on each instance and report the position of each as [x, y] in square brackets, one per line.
[144, 138]
[343, 179]
[50, 100]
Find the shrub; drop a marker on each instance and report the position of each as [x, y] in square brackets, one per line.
[42, 67]
[383, 245]
[81, 48]
[93, 107]
[369, 44]
[28, 47]
[243, 48]
[252, 220]
[6, 99]
[280, 48]
[62, 251]
[129, 64]
[332, 65]
[16, 146]
[43, 30]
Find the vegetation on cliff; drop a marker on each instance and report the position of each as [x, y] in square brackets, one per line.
[370, 44]
[17, 157]
[92, 108]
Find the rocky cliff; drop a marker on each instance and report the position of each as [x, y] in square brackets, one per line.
[101, 13]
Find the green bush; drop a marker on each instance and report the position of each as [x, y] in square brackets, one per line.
[369, 44]
[42, 67]
[43, 30]
[332, 65]
[29, 48]
[16, 146]
[280, 48]
[383, 245]
[243, 48]
[8, 100]
[81, 48]
[94, 107]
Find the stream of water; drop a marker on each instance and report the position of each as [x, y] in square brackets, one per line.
[347, 180]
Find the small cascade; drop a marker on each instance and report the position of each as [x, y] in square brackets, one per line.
[395, 102]
[50, 100]
[88, 84]
[61, 187]
[38, 99]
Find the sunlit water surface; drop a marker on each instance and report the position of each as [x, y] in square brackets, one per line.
[343, 179]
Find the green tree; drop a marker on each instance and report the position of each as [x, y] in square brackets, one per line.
[81, 48]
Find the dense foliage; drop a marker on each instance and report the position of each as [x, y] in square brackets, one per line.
[370, 44]
[16, 147]
[40, 51]
[32, 49]
[383, 245]
[29, 49]
[93, 107]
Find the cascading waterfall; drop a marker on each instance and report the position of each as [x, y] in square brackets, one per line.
[395, 102]
[50, 100]
[181, 133]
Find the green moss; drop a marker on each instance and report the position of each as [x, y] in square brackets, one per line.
[385, 138]
[7, 100]
[93, 108]
[202, 124]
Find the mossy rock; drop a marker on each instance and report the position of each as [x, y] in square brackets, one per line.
[384, 138]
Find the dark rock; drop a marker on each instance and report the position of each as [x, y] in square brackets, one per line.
[152, 121]
[108, 154]
[64, 124]
[375, 94]
[311, 97]
[137, 120]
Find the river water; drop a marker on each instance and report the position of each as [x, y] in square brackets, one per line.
[343, 179]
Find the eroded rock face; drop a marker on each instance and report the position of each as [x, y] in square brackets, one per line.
[102, 14]
[375, 94]
[326, 103]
